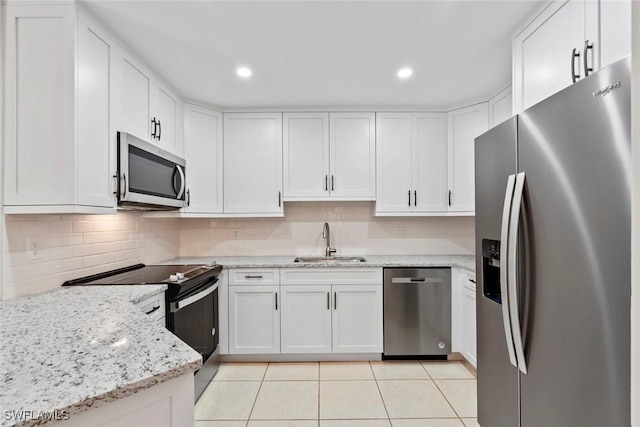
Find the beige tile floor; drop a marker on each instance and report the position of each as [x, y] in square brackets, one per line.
[331, 394]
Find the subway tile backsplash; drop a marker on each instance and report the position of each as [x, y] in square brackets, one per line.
[354, 231]
[78, 245]
[72, 246]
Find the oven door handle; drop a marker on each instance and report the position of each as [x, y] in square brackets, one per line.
[178, 305]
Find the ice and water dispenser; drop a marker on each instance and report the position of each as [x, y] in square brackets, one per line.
[491, 270]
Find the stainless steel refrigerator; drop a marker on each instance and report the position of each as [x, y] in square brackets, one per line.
[553, 250]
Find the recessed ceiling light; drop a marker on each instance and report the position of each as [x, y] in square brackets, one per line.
[244, 72]
[405, 73]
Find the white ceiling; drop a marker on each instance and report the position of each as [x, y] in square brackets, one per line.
[319, 54]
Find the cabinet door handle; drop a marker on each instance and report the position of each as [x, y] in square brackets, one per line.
[279, 199]
[328, 301]
[574, 54]
[276, 300]
[472, 281]
[326, 183]
[188, 198]
[159, 130]
[409, 195]
[585, 60]
[153, 128]
[331, 182]
[415, 198]
[449, 197]
[335, 300]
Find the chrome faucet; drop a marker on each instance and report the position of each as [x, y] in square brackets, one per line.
[326, 234]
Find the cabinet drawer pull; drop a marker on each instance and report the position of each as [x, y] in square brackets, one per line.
[253, 277]
[156, 308]
[574, 54]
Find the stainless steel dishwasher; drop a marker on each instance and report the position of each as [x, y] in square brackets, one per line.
[417, 312]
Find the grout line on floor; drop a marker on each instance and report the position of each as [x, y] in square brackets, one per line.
[381, 397]
[257, 395]
[450, 404]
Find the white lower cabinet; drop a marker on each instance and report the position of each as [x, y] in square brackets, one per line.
[254, 319]
[357, 319]
[312, 311]
[306, 319]
[463, 314]
[469, 349]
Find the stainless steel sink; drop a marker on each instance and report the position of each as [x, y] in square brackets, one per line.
[324, 259]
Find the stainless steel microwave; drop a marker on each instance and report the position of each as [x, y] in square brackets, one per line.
[149, 178]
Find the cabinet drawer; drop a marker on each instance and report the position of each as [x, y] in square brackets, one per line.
[251, 276]
[331, 276]
[153, 306]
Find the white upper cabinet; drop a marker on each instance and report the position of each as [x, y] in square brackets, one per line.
[566, 41]
[203, 153]
[59, 134]
[352, 156]
[329, 156]
[411, 163]
[135, 117]
[500, 107]
[253, 164]
[148, 108]
[306, 156]
[463, 126]
[394, 161]
[429, 169]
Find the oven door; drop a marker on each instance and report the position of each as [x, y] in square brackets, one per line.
[149, 176]
[194, 319]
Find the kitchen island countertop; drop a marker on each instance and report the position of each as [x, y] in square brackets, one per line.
[462, 261]
[76, 348]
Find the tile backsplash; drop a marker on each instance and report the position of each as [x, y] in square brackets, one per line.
[72, 246]
[354, 231]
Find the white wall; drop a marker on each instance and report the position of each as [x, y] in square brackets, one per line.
[635, 222]
[354, 231]
[78, 245]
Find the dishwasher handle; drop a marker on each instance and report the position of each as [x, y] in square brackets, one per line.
[416, 280]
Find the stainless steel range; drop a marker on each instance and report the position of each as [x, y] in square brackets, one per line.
[192, 305]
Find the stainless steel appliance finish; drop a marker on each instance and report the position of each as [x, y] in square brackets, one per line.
[553, 227]
[149, 178]
[192, 305]
[417, 311]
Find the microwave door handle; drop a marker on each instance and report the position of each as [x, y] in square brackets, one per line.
[180, 192]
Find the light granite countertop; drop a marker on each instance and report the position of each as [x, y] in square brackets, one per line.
[75, 348]
[463, 261]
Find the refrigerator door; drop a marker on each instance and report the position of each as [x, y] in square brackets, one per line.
[497, 378]
[574, 271]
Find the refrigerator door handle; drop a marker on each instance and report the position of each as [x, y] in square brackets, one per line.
[512, 271]
[504, 236]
